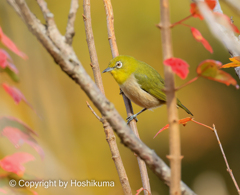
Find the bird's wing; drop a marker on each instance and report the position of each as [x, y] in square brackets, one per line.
[151, 82]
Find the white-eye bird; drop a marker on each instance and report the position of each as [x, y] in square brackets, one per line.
[140, 82]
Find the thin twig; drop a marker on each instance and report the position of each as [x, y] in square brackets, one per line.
[202, 124]
[180, 21]
[127, 102]
[95, 114]
[48, 16]
[174, 133]
[70, 64]
[51, 27]
[15, 6]
[187, 83]
[225, 159]
[71, 19]
[98, 80]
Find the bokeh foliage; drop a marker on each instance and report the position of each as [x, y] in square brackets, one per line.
[71, 136]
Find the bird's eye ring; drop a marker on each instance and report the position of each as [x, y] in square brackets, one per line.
[119, 64]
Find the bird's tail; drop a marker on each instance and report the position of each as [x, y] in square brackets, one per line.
[183, 107]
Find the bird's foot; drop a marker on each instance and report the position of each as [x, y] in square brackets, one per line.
[130, 118]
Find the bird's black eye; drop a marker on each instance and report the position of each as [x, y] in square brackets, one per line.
[119, 64]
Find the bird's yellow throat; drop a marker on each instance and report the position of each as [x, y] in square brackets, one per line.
[119, 76]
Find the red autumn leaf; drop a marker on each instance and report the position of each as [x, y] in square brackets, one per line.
[198, 36]
[210, 69]
[3, 58]
[19, 133]
[181, 121]
[17, 137]
[14, 163]
[195, 11]
[179, 66]
[235, 63]
[8, 43]
[15, 94]
[3, 191]
[223, 19]
[6, 61]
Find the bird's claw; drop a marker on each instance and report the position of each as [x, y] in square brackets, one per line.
[130, 118]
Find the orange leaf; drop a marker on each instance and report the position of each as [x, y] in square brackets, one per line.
[181, 121]
[13, 163]
[210, 69]
[8, 43]
[198, 36]
[179, 66]
[235, 63]
[195, 11]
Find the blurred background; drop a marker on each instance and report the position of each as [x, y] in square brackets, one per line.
[74, 140]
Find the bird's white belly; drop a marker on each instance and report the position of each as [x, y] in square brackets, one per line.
[140, 97]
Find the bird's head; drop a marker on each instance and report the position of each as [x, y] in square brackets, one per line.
[121, 67]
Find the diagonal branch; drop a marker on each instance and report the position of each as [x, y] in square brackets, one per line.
[71, 19]
[15, 7]
[70, 64]
[127, 102]
[225, 159]
[111, 139]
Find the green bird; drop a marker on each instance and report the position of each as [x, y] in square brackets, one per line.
[140, 82]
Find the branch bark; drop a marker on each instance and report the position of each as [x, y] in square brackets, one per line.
[69, 63]
[110, 137]
[127, 102]
[70, 32]
[174, 134]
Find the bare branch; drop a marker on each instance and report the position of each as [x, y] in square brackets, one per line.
[127, 102]
[225, 159]
[70, 64]
[98, 79]
[15, 7]
[91, 45]
[71, 19]
[110, 25]
[174, 133]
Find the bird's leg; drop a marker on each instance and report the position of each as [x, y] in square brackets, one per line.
[135, 116]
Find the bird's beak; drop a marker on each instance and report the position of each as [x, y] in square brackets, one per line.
[108, 69]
